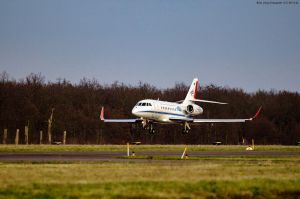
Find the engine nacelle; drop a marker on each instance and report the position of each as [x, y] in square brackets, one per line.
[193, 109]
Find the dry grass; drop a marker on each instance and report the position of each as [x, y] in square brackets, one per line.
[78, 173]
[159, 179]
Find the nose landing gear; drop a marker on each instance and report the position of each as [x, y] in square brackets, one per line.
[148, 125]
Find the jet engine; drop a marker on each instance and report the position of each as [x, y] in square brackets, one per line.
[193, 109]
[190, 109]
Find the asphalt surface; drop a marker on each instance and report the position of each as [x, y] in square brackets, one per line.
[115, 155]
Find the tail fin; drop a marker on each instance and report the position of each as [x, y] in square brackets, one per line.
[192, 94]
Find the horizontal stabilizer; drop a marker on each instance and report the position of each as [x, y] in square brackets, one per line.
[204, 101]
[207, 101]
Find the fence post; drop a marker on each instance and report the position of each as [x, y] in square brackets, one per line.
[26, 134]
[41, 137]
[17, 137]
[127, 149]
[50, 120]
[4, 136]
[65, 136]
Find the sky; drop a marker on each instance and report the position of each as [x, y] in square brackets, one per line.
[239, 44]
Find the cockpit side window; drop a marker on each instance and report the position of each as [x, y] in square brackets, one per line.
[150, 104]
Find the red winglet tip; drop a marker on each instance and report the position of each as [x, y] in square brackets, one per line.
[257, 113]
[102, 113]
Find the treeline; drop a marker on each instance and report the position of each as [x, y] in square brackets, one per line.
[76, 109]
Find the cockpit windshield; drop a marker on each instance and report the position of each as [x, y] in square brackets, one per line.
[143, 104]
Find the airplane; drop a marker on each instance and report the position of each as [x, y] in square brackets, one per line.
[183, 112]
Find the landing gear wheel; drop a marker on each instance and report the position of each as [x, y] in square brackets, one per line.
[151, 129]
[186, 128]
[185, 131]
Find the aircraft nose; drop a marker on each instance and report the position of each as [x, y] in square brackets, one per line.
[133, 110]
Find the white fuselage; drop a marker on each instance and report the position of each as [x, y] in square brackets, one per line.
[162, 111]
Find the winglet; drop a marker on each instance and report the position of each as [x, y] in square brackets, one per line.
[257, 113]
[102, 114]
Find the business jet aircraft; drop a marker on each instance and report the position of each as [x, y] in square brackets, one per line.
[151, 111]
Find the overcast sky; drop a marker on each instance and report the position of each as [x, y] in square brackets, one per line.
[229, 43]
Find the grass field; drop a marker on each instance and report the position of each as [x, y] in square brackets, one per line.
[158, 177]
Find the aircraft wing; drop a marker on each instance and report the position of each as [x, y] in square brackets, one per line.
[194, 121]
[181, 119]
[209, 120]
[117, 120]
[220, 120]
[121, 120]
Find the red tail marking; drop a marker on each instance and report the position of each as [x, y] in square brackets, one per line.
[196, 87]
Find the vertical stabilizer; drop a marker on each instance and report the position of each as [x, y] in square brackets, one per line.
[192, 94]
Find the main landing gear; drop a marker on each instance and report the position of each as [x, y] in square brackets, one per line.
[186, 128]
[151, 128]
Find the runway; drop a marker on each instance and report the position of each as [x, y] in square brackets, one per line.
[116, 155]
